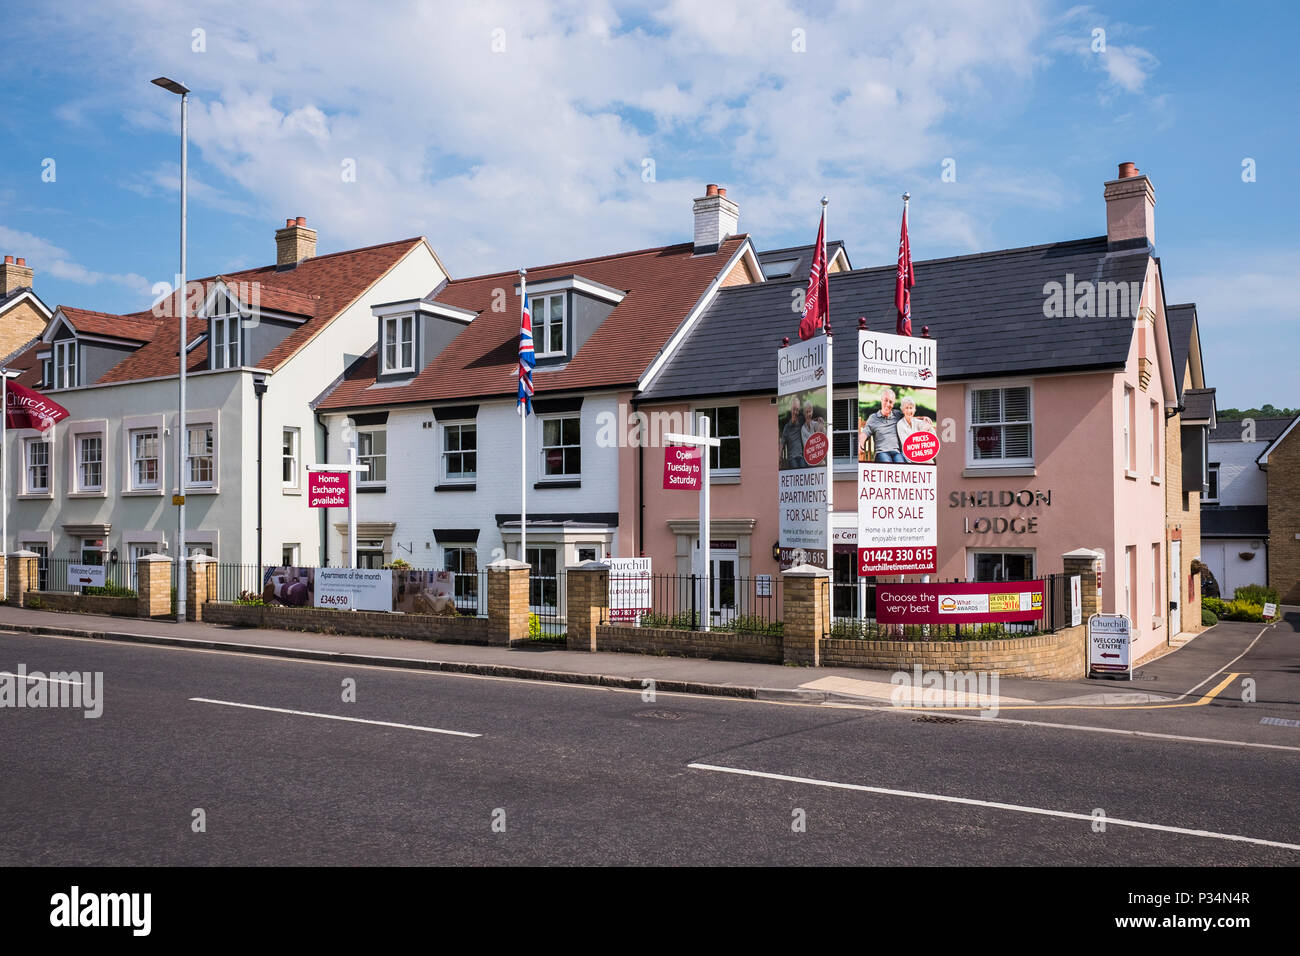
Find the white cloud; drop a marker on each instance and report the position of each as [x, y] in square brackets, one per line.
[48, 259]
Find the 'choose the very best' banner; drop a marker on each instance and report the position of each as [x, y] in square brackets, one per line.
[898, 444]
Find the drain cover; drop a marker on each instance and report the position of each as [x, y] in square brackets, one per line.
[659, 714]
[932, 719]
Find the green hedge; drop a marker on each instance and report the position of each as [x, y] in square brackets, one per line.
[1243, 611]
[1217, 606]
[1256, 594]
[1208, 617]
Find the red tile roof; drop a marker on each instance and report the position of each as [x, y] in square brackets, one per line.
[320, 288]
[662, 287]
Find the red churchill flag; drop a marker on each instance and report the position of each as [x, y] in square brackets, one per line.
[27, 408]
[817, 300]
[906, 279]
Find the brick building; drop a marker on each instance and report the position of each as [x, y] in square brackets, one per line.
[1281, 461]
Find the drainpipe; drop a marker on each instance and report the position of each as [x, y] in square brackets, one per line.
[323, 552]
[259, 389]
[640, 493]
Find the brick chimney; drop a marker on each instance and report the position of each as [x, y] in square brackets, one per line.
[716, 219]
[1130, 210]
[294, 243]
[14, 275]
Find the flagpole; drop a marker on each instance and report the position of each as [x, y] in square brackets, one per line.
[830, 408]
[522, 409]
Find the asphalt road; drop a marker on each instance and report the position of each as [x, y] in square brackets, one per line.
[583, 775]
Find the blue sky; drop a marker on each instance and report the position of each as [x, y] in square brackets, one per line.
[519, 134]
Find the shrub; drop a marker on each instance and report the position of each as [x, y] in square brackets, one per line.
[1208, 617]
[1243, 611]
[250, 599]
[682, 621]
[753, 624]
[109, 590]
[535, 632]
[399, 564]
[1256, 594]
[1216, 606]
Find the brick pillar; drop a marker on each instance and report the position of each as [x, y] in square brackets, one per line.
[1087, 565]
[20, 576]
[806, 613]
[587, 585]
[200, 585]
[153, 574]
[507, 601]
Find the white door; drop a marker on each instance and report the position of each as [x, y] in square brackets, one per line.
[722, 582]
[1213, 554]
[1175, 587]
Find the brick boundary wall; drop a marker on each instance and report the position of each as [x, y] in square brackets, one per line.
[423, 627]
[1059, 656]
[82, 603]
[714, 645]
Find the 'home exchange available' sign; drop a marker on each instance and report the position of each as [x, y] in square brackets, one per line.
[959, 603]
[354, 589]
[898, 443]
[327, 489]
[803, 413]
[682, 467]
[85, 575]
[1110, 645]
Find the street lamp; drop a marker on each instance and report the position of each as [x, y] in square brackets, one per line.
[181, 90]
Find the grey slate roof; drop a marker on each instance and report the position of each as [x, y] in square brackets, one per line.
[1266, 429]
[802, 256]
[1181, 318]
[986, 309]
[1198, 403]
[1235, 521]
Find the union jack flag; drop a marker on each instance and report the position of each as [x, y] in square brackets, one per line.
[527, 360]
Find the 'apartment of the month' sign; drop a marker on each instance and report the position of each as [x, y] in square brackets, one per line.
[803, 452]
[898, 444]
[1110, 645]
[682, 467]
[85, 575]
[629, 588]
[354, 589]
[327, 489]
[1270, 611]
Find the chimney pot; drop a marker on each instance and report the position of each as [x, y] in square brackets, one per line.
[9, 260]
[301, 220]
[288, 223]
[722, 190]
[1127, 170]
[22, 261]
[711, 189]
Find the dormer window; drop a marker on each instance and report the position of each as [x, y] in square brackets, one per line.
[548, 324]
[223, 338]
[398, 344]
[65, 363]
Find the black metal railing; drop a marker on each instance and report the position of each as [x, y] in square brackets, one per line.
[547, 606]
[119, 577]
[749, 605]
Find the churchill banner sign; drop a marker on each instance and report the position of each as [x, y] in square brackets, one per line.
[804, 451]
[898, 446]
[27, 408]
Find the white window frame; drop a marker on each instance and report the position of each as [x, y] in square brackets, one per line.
[401, 336]
[459, 426]
[1129, 429]
[224, 335]
[712, 412]
[28, 488]
[541, 333]
[836, 400]
[366, 478]
[192, 483]
[1157, 572]
[1156, 422]
[296, 552]
[133, 479]
[994, 549]
[77, 434]
[973, 462]
[560, 475]
[66, 363]
[293, 458]
[1130, 560]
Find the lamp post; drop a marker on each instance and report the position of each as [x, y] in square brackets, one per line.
[181, 90]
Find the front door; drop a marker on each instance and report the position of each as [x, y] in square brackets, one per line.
[1175, 587]
[722, 583]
